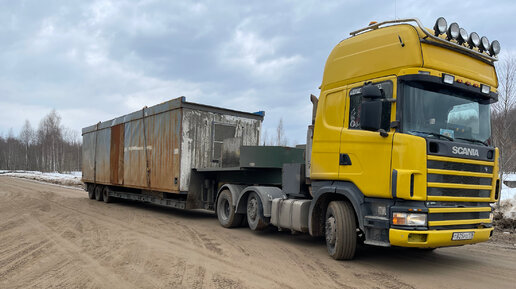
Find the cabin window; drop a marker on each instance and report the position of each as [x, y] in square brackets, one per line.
[220, 132]
[355, 99]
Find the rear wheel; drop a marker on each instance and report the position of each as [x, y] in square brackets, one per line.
[91, 191]
[255, 218]
[98, 192]
[340, 230]
[105, 195]
[226, 214]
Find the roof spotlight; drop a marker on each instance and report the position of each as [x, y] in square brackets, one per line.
[495, 48]
[440, 26]
[473, 40]
[463, 36]
[453, 31]
[484, 44]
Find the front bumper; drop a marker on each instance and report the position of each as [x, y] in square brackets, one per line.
[435, 238]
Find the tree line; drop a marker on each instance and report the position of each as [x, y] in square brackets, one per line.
[49, 148]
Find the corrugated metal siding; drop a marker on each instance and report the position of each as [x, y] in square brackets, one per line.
[103, 157]
[88, 155]
[163, 136]
[134, 155]
[197, 139]
[117, 154]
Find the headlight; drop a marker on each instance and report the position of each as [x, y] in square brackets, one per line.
[440, 26]
[463, 36]
[473, 40]
[409, 219]
[484, 44]
[495, 48]
[453, 31]
[491, 216]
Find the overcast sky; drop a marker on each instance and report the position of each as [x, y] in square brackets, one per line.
[95, 60]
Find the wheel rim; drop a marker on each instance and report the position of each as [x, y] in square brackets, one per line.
[331, 231]
[252, 208]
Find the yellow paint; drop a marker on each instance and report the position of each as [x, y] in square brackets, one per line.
[459, 210]
[459, 173]
[459, 186]
[436, 238]
[457, 160]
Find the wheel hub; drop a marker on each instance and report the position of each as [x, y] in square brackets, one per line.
[252, 208]
[225, 210]
[331, 230]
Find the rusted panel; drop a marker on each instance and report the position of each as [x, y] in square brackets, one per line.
[163, 137]
[134, 155]
[103, 156]
[117, 155]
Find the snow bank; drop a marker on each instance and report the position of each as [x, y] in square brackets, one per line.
[68, 179]
[508, 193]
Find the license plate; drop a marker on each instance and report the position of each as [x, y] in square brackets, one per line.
[462, 236]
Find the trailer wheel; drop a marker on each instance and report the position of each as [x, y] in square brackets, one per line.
[98, 192]
[340, 230]
[91, 191]
[255, 217]
[226, 211]
[105, 195]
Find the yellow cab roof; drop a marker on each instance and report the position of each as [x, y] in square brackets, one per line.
[388, 50]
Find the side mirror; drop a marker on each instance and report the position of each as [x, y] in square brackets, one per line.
[371, 91]
[371, 108]
[371, 114]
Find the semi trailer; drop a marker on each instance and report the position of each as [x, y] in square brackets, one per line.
[398, 152]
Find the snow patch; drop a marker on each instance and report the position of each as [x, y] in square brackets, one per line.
[66, 179]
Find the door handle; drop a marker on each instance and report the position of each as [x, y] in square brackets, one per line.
[344, 160]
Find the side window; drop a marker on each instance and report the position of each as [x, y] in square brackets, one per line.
[355, 99]
[220, 132]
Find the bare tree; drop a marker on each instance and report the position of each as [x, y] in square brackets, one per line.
[281, 140]
[26, 137]
[503, 111]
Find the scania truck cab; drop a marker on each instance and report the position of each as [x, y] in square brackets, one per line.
[402, 137]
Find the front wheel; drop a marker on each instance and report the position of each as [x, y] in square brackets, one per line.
[226, 214]
[340, 230]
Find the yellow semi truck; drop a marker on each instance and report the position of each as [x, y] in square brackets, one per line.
[397, 154]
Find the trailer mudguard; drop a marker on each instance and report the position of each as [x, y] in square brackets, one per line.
[326, 191]
[266, 194]
[235, 191]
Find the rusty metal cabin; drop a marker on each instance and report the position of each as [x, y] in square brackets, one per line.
[156, 148]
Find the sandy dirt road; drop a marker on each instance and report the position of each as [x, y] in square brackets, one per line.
[55, 237]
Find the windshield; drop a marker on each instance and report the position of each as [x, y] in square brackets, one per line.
[441, 112]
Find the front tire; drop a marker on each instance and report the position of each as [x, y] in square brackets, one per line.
[226, 214]
[340, 230]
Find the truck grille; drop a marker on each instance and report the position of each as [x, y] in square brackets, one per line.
[453, 186]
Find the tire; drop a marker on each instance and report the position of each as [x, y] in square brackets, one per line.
[91, 191]
[105, 195]
[255, 218]
[98, 192]
[340, 230]
[226, 211]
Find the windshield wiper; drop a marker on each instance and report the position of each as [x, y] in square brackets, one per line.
[473, 140]
[434, 134]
